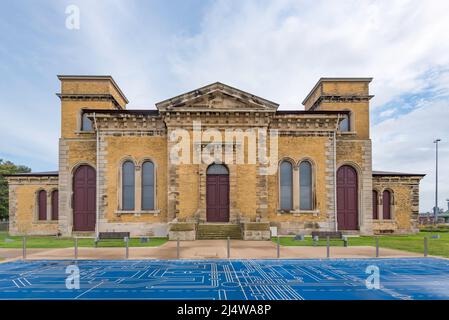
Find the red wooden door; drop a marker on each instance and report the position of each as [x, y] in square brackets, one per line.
[347, 198]
[84, 199]
[386, 197]
[217, 198]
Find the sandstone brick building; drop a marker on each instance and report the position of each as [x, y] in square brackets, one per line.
[116, 173]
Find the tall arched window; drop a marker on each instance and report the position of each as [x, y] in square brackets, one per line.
[42, 205]
[286, 186]
[128, 185]
[386, 198]
[86, 124]
[375, 205]
[148, 185]
[54, 205]
[305, 184]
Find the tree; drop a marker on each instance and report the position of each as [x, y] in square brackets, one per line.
[7, 167]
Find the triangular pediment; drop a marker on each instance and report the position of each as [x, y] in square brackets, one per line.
[217, 97]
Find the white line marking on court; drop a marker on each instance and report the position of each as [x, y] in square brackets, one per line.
[89, 290]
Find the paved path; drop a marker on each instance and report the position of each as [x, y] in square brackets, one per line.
[206, 249]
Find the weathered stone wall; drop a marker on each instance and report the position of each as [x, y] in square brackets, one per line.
[405, 203]
[116, 148]
[23, 211]
[318, 149]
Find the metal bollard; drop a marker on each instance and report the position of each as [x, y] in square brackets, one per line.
[278, 249]
[328, 253]
[425, 246]
[315, 240]
[377, 247]
[229, 248]
[24, 248]
[126, 247]
[76, 248]
[177, 248]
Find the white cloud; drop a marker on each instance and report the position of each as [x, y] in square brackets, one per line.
[388, 113]
[406, 144]
[279, 49]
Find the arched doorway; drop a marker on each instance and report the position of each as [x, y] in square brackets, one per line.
[347, 198]
[217, 193]
[84, 198]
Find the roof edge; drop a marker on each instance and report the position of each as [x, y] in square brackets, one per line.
[337, 79]
[94, 77]
[396, 174]
[33, 174]
[160, 103]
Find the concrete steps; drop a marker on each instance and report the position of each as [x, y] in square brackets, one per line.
[207, 231]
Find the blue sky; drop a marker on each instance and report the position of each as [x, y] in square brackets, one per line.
[275, 49]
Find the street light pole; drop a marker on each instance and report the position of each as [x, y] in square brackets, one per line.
[435, 209]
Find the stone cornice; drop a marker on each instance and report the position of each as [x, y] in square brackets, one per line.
[89, 97]
[305, 122]
[129, 122]
[50, 180]
[344, 99]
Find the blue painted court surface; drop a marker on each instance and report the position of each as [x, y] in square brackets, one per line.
[407, 278]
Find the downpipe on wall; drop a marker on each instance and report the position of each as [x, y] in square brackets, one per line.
[97, 203]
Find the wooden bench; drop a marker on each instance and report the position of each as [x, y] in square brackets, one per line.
[331, 235]
[111, 236]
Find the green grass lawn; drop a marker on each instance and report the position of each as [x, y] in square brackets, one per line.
[54, 242]
[412, 243]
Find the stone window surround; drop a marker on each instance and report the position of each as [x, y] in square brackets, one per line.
[360, 203]
[138, 187]
[296, 188]
[79, 123]
[234, 213]
[351, 118]
[380, 214]
[48, 192]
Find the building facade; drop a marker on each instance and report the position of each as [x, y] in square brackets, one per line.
[213, 162]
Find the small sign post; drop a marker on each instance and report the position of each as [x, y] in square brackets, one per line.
[229, 248]
[328, 253]
[126, 247]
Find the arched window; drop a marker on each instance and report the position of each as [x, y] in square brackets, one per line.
[148, 185]
[286, 186]
[386, 197]
[42, 205]
[345, 124]
[86, 123]
[217, 169]
[305, 184]
[54, 205]
[128, 185]
[375, 205]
